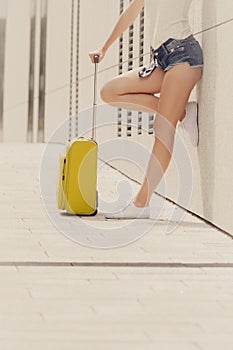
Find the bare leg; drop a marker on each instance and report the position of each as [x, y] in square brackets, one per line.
[176, 88]
[132, 92]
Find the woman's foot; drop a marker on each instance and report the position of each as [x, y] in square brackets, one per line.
[190, 122]
[131, 211]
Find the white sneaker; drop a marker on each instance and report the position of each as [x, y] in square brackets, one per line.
[190, 122]
[131, 211]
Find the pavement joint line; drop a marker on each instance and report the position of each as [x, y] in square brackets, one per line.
[115, 264]
[228, 234]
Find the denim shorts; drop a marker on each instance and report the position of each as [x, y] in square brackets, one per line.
[173, 52]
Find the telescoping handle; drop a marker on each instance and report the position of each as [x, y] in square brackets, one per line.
[96, 61]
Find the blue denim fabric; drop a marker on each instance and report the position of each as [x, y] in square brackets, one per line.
[173, 52]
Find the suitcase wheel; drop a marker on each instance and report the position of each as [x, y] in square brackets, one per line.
[97, 199]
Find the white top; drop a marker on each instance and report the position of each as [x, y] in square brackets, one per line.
[167, 19]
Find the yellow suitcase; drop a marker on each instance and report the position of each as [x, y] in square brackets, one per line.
[76, 190]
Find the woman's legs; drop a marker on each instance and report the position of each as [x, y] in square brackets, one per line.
[132, 92]
[175, 91]
[129, 91]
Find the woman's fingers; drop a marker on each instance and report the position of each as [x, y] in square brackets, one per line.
[98, 53]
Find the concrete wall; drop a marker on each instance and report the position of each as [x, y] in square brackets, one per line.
[213, 159]
[62, 83]
[16, 74]
[36, 68]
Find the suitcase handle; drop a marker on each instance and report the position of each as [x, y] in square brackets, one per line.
[96, 61]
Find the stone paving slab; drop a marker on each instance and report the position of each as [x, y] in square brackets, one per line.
[27, 232]
[70, 306]
[157, 304]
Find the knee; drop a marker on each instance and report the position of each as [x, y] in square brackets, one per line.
[167, 117]
[164, 131]
[104, 93]
[108, 92]
[163, 125]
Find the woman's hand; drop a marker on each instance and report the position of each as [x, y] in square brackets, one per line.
[98, 52]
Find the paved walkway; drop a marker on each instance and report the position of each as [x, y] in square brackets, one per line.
[165, 292]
